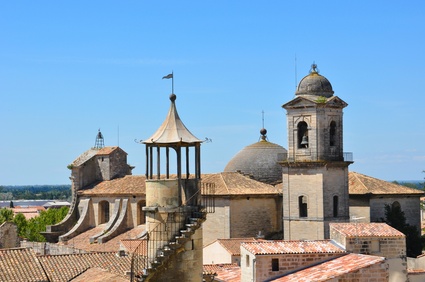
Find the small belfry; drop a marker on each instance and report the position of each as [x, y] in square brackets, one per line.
[315, 173]
[100, 142]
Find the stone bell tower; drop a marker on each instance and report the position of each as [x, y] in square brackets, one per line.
[315, 174]
[174, 214]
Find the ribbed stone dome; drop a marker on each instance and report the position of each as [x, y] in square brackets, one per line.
[259, 161]
[315, 84]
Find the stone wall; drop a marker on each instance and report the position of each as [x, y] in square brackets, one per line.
[261, 267]
[409, 205]
[251, 215]
[8, 235]
[217, 225]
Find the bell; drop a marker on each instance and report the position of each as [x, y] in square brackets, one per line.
[305, 140]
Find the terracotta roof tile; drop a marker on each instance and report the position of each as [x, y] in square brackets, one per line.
[98, 275]
[292, 247]
[366, 229]
[234, 183]
[363, 184]
[133, 245]
[82, 241]
[332, 269]
[129, 184]
[233, 245]
[20, 265]
[224, 272]
[87, 155]
[67, 267]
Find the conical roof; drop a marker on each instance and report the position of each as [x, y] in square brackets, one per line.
[172, 129]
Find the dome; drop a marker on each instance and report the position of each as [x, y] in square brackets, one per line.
[259, 161]
[315, 84]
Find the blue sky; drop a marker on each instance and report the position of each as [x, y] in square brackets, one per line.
[68, 68]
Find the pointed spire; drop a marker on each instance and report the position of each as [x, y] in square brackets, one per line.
[172, 129]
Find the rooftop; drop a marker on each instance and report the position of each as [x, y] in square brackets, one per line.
[331, 269]
[362, 184]
[292, 247]
[366, 229]
[224, 272]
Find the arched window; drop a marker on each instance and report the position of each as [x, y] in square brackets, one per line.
[103, 212]
[302, 135]
[141, 217]
[332, 133]
[302, 205]
[335, 206]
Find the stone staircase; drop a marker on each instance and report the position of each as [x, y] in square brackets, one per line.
[174, 246]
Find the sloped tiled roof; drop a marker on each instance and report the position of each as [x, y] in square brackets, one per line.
[82, 241]
[362, 184]
[229, 272]
[90, 153]
[133, 245]
[129, 184]
[20, 265]
[66, 267]
[233, 183]
[233, 245]
[373, 229]
[99, 275]
[292, 247]
[333, 268]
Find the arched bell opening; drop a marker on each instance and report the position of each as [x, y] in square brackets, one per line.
[302, 135]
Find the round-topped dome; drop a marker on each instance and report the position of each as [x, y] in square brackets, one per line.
[259, 161]
[315, 84]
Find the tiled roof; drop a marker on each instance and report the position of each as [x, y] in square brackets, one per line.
[332, 269]
[234, 183]
[82, 241]
[87, 155]
[66, 267]
[373, 229]
[233, 245]
[20, 265]
[291, 247]
[228, 272]
[133, 245]
[129, 184]
[98, 275]
[226, 183]
[363, 184]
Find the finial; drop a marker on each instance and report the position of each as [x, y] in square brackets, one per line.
[173, 97]
[314, 68]
[263, 131]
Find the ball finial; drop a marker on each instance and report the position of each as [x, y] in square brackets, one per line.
[173, 97]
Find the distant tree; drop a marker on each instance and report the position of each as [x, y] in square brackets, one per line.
[38, 224]
[396, 218]
[11, 205]
[6, 215]
[21, 223]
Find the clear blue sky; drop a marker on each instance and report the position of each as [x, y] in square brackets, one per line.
[68, 68]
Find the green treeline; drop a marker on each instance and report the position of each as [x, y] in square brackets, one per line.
[35, 192]
[30, 229]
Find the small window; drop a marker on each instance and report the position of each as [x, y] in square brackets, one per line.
[302, 205]
[103, 212]
[332, 133]
[275, 264]
[247, 260]
[335, 206]
[396, 205]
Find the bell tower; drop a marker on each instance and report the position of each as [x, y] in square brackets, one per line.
[315, 173]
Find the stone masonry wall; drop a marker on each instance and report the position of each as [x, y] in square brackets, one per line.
[8, 235]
